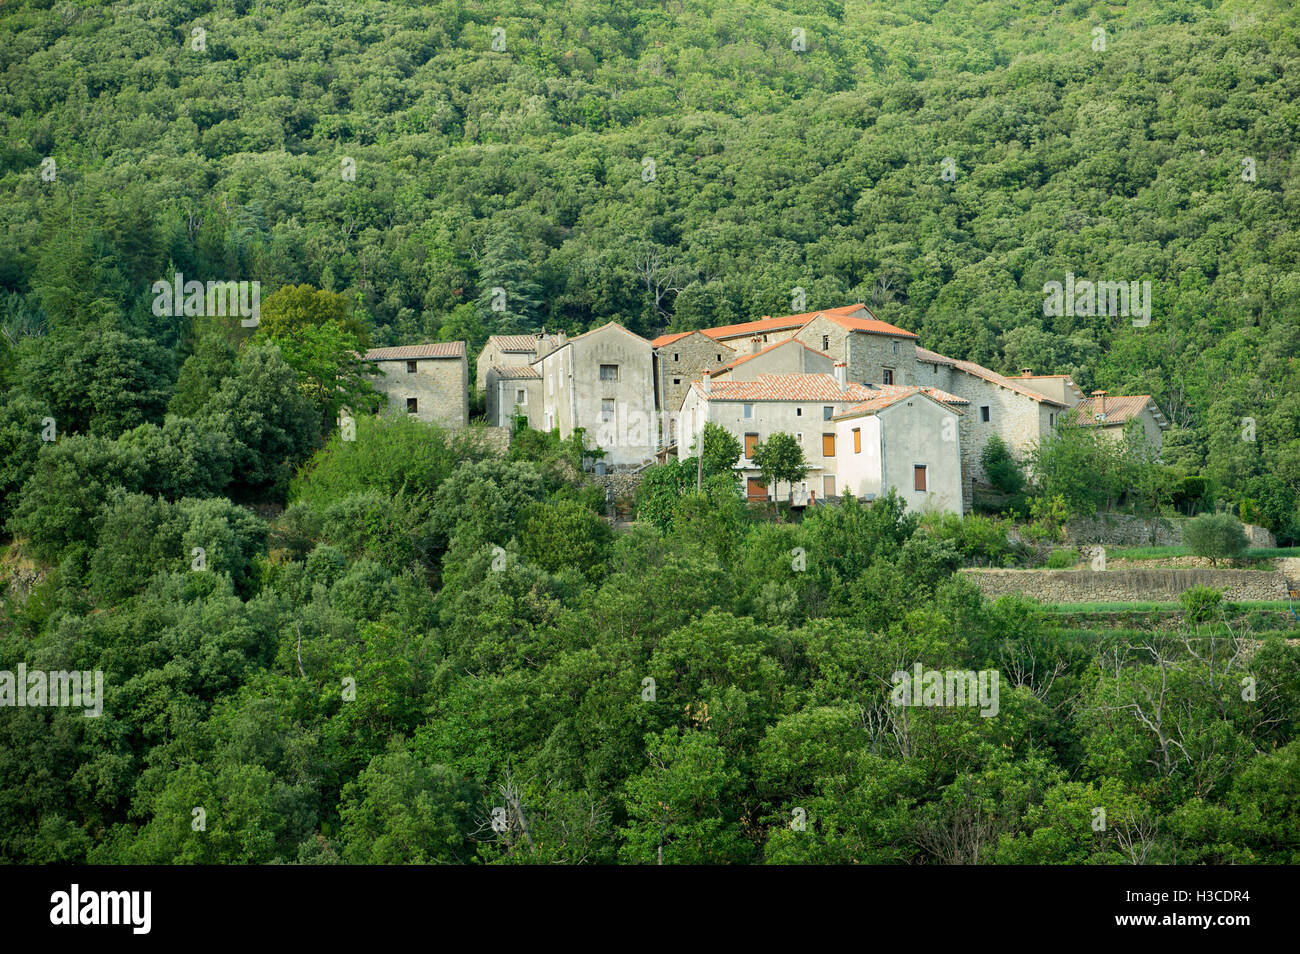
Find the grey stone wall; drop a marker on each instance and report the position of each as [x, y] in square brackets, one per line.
[1124, 530]
[1157, 584]
[677, 365]
[440, 387]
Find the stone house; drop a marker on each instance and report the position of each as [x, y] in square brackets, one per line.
[1022, 417]
[1114, 414]
[1058, 387]
[907, 439]
[680, 359]
[428, 381]
[802, 405]
[790, 356]
[513, 391]
[875, 351]
[603, 382]
[502, 351]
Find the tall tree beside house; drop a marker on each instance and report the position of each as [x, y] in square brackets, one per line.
[510, 298]
[780, 458]
[721, 451]
[290, 311]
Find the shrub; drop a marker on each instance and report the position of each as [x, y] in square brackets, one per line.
[1200, 603]
[1062, 559]
[1218, 536]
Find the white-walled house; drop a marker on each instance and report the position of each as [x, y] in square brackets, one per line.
[905, 439]
[803, 405]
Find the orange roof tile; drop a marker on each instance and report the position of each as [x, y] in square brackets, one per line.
[808, 387]
[1120, 409]
[892, 394]
[669, 339]
[979, 371]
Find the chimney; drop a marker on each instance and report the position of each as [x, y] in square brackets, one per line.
[842, 375]
[755, 345]
[1026, 372]
[1101, 401]
[708, 381]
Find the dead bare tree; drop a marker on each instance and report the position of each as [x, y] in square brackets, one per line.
[661, 279]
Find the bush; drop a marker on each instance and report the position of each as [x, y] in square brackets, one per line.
[1200, 603]
[1218, 536]
[1062, 559]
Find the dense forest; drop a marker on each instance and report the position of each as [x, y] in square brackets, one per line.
[405, 647]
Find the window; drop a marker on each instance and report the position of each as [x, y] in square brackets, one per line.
[799, 437]
[676, 357]
[857, 440]
[826, 342]
[895, 347]
[677, 380]
[918, 476]
[1051, 420]
[828, 485]
[756, 489]
[751, 444]
[412, 406]
[609, 372]
[521, 396]
[889, 375]
[798, 412]
[719, 357]
[749, 411]
[828, 413]
[410, 367]
[984, 413]
[607, 409]
[828, 445]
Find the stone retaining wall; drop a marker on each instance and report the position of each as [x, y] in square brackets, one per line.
[1155, 585]
[1123, 530]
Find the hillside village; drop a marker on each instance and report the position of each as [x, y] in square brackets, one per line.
[871, 409]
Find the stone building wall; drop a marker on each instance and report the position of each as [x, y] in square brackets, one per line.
[679, 363]
[440, 387]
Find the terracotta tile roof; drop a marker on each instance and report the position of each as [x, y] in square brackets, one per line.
[757, 327]
[441, 349]
[891, 394]
[669, 339]
[870, 325]
[785, 387]
[979, 371]
[1120, 409]
[808, 387]
[755, 354]
[933, 357]
[515, 342]
[845, 316]
[519, 371]
[1016, 377]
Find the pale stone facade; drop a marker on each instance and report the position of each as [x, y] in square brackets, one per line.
[785, 357]
[428, 381]
[603, 382]
[502, 351]
[514, 391]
